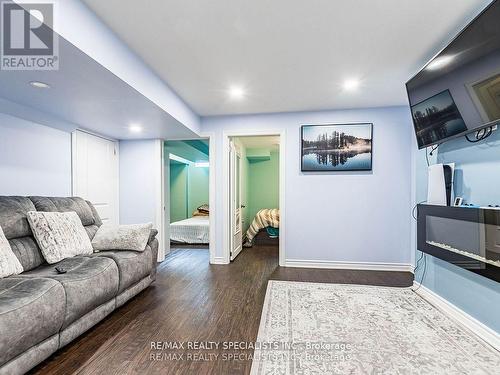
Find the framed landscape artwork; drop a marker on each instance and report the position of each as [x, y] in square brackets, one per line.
[337, 147]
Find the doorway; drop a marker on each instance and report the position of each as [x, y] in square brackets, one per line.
[187, 193]
[255, 194]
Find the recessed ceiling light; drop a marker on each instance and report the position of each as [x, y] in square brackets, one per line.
[236, 92]
[440, 62]
[135, 128]
[40, 85]
[351, 84]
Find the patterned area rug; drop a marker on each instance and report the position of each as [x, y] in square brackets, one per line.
[310, 328]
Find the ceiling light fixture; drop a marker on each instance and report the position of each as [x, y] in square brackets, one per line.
[351, 84]
[236, 92]
[40, 85]
[440, 62]
[135, 128]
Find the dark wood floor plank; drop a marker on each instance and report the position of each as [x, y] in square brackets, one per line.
[193, 301]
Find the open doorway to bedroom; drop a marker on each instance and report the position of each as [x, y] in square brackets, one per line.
[254, 194]
[187, 191]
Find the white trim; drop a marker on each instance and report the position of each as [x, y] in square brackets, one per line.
[166, 202]
[485, 333]
[217, 260]
[160, 199]
[330, 264]
[225, 188]
[211, 197]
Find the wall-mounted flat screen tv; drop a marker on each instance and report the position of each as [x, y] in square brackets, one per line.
[458, 91]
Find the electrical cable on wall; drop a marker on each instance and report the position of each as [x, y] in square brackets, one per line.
[430, 154]
[423, 273]
[480, 135]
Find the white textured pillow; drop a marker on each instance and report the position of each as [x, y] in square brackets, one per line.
[60, 235]
[122, 237]
[9, 264]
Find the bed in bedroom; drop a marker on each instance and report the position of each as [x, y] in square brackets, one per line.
[266, 220]
[194, 230]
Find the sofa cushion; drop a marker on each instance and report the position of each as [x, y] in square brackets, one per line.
[31, 310]
[28, 252]
[16, 228]
[13, 216]
[78, 205]
[60, 235]
[133, 266]
[9, 264]
[88, 283]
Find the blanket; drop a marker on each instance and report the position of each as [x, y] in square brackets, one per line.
[267, 217]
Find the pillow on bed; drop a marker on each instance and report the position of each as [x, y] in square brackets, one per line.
[204, 208]
[200, 213]
[122, 237]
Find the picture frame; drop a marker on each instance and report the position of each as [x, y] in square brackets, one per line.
[342, 147]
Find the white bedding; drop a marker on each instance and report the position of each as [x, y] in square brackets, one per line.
[194, 230]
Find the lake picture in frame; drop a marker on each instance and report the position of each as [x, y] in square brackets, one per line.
[337, 147]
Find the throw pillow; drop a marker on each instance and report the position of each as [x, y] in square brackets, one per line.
[122, 237]
[204, 208]
[60, 235]
[9, 264]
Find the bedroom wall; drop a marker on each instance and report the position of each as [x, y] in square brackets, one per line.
[189, 185]
[263, 185]
[476, 180]
[178, 192]
[34, 159]
[334, 218]
[198, 188]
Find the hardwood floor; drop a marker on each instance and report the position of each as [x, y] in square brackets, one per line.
[193, 301]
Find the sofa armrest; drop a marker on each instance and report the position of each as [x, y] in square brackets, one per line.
[152, 236]
[153, 244]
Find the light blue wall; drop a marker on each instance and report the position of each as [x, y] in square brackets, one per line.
[350, 216]
[138, 184]
[477, 179]
[34, 159]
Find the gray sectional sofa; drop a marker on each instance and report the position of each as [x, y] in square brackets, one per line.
[42, 310]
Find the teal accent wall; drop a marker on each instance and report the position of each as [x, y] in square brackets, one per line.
[178, 191]
[263, 185]
[189, 185]
[477, 178]
[198, 188]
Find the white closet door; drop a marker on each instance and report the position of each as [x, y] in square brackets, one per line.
[95, 173]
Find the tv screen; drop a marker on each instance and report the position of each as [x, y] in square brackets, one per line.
[436, 118]
[459, 89]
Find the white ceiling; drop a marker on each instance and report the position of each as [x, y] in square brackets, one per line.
[84, 94]
[288, 55]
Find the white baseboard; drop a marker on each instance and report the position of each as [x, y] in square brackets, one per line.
[472, 324]
[373, 266]
[218, 260]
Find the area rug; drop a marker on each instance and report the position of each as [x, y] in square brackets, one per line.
[312, 328]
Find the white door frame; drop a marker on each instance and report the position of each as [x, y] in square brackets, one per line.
[226, 135]
[235, 191]
[211, 176]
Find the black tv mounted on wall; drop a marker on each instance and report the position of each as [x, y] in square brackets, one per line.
[458, 91]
